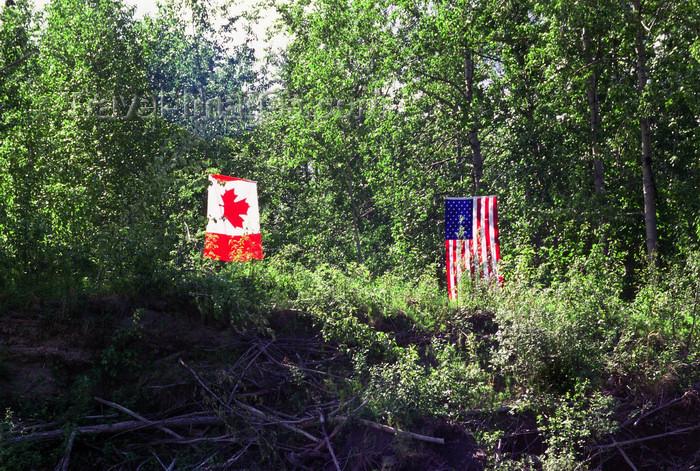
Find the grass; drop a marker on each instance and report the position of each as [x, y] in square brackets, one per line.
[559, 357]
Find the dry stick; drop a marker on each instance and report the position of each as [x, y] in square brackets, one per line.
[204, 385]
[317, 449]
[261, 349]
[206, 460]
[627, 458]
[240, 453]
[63, 464]
[119, 427]
[284, 424]
[335, 431]
[291, 418]
[498, 410]
[101, 416]
[656, 409]
[651, 437]
[187, 441]
[353, 413]
[392, 430]
[338, 427]
[169, 468]
[137, 416]
[328, 441]
[37, 426]
[251, 409]
[281, 365]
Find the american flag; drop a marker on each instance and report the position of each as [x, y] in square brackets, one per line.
[471, 240]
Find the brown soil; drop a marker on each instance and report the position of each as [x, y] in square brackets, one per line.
[34, 344]
[43, 350]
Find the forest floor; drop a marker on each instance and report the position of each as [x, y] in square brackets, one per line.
[148, 383]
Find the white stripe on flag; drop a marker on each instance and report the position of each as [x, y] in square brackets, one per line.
[479, 254]
[492, 217]
[482, 236]
[473, 243]
[452, 267]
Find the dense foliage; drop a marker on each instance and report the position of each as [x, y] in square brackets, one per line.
[582, 117]
[356, 132]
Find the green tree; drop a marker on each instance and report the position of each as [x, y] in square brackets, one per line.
[332, 80]
[17, 70]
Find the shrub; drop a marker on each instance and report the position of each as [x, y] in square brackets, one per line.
[441, 382]
[550, 338]
[659, 329]
[571, 423]
[236, 293]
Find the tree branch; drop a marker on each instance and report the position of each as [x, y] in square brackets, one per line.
[634, 441]
[442, 100]
[395, 431]
[137, 416]
[21, 59]
[118, 428]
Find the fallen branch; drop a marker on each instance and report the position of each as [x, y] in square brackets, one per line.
[644, 415]
[328, 442]
[657, 409]
[316, 451]
[196, 376]
[119, 427]
[275, 420]
[499, 410]
[261, 349]
[29, 428]
[634, 441]
[63, 464]
[251, 409]
[137, 416]
[189, 441]
[393, 430]
[624, 455]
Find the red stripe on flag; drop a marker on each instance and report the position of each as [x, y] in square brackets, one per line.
[480, 253]
[479, 240]
[472, 257]
[450, 268]
[487, 238]
[484, 239]
[233, 248]
[226, 178]
[495, 238]
[455, 267]
[456, 260]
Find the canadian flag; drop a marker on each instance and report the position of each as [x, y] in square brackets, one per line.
[233, 230]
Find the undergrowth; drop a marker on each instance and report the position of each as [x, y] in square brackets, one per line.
[561, 351]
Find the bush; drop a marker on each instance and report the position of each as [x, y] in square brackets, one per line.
[237, 293]
[571, 423]
[441, 382]
[659, 329]
[551, 338]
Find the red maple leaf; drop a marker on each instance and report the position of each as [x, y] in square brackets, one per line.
[233, 210]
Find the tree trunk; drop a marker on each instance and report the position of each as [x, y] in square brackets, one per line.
[650, 220]
[649, 191]
[477, 157]
[594, 110]
[355, 213]
[477, 160]
[460, 162]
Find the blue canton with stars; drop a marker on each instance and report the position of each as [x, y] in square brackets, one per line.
[458, 218]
